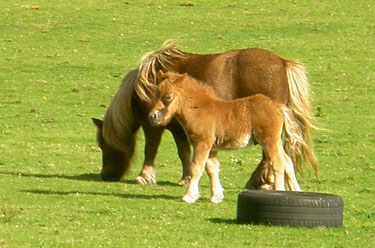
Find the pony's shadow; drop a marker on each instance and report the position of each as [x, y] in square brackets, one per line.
[126, 196]
[82, 177]
[91, 177]
[160, 183]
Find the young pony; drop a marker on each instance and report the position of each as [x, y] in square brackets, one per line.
[212, 124]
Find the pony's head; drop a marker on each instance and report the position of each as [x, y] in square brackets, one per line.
[113, 160]
[167, 99]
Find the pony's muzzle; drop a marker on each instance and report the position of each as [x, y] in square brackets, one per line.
[155, 117]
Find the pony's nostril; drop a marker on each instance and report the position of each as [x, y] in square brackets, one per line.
[153, 116]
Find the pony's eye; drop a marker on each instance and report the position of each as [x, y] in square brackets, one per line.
[167, 98]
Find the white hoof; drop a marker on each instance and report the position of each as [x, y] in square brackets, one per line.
[190, 199]
[217, 199]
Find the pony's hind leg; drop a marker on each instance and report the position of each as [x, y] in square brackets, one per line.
[262, 177]
[152, 141]
[213, 169]
[274, 154]
[290, 176]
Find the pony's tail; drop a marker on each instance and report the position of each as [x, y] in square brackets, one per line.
[298, 118]
[120, 126]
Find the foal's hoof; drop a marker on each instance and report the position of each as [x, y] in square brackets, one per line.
[217, 199]
[190, 199]
[143, 179]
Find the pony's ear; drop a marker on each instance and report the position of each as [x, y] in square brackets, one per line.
[98, 123]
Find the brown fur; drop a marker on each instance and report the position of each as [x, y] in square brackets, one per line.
[232, 75]
[213, 124]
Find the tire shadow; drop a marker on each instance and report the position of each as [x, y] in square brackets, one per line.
[223, 221]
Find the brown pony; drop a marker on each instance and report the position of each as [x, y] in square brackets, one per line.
[232, 75]
[212, 124]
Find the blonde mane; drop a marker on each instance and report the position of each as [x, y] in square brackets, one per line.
[119, 122]
[150, 63]
[119, 118]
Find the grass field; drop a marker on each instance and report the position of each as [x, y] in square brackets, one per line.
[61, 62]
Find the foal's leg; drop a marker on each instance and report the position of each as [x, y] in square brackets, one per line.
[183, 148]
[200, 156]
[152, 142]
[213, 169]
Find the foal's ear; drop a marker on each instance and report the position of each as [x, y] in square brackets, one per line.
[162, 74]
[98, 123]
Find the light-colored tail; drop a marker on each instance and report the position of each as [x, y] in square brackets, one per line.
[298, 118]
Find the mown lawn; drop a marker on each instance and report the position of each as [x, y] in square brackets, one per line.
[61, 62]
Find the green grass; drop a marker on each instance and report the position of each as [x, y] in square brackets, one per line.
[61, 62]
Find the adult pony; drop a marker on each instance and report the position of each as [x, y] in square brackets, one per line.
[213, 124]
[232, 75]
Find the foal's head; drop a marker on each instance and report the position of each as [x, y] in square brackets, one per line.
[167, 98]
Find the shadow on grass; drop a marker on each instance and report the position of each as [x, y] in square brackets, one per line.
[160, 183]
[126, 196]
[91, 177]
[82, 177]
[223, 221]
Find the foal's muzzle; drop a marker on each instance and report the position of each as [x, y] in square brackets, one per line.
[155, 117]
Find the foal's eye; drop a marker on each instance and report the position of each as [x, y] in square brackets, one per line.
[167, 98]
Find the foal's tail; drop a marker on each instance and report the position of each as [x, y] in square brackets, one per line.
[298, 118]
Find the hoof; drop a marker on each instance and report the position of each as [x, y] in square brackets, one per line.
[184, 182]
[145, 180]
[266, 187]
[190, 199]
[217, 199]
[109, 178]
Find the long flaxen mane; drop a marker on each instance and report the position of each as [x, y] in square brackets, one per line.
[119, 123]
[151, 63]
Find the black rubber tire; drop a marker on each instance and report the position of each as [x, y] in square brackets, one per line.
[285, 208]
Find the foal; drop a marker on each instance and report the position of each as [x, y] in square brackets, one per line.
[213, 124]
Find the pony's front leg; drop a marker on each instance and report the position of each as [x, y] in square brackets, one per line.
[183, 148]
[200, 157]
[213, 169]
[152, 142]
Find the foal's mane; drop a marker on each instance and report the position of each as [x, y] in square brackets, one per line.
[119, 123]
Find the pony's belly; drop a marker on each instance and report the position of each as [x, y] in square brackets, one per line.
[237, 143]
